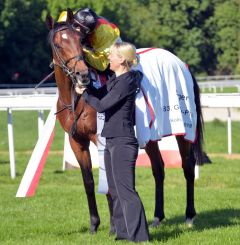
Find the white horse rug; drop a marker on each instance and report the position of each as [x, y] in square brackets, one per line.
[165, 106]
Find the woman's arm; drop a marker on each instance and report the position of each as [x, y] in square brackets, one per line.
[97, 92]
[113, 97]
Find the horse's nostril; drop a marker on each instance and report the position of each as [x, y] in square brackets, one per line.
[81, 73]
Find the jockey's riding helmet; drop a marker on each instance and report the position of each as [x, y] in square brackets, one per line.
[85, 20]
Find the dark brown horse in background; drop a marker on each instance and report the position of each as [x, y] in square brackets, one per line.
[79, 120]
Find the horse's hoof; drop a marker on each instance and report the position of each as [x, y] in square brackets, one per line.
[95, 222]
[189, 222]
[93, 229]
[93, 232]
[112, 231]
[156, 223]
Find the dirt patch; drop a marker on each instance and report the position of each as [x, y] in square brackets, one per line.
[209, 114]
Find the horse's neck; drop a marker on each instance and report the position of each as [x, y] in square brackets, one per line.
[64, 85]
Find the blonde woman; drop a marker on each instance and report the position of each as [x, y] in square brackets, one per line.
[118, 102]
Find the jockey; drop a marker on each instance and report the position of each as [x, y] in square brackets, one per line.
[98, 35]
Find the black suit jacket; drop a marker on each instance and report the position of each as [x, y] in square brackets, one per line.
[118, 103]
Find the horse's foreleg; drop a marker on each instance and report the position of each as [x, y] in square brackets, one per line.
[89, 188]
[188, 164]
[158, 173]
[83, 156]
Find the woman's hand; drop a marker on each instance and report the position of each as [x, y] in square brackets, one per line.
[79, 90]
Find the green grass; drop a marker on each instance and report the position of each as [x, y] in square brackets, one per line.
[58, 213]
[221, 90]
[25, 129]
[216, 137]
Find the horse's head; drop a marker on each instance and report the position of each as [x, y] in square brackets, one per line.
[67, 49]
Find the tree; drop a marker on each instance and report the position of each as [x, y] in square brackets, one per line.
[23, 48]
[205, 34]
[55, 7]
[227, 36]
[175, 25]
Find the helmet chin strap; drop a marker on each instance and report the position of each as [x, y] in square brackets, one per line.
[85, 28]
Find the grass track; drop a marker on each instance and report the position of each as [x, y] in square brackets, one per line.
[58, 213]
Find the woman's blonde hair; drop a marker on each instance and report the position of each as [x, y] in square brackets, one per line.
[127, 51]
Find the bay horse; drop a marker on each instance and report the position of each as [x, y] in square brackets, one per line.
[79, 120]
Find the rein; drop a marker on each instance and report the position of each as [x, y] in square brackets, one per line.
[45, 78]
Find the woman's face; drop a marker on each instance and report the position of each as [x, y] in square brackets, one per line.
[115, 60]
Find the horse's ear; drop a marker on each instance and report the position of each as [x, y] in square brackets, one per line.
[69, 16]
[49, 21]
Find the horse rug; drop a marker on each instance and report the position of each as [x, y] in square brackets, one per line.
[165, 104]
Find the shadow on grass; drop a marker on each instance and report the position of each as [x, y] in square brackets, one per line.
[83, 229]
[8, 175]
[4, 162]
[59, 172]
[174, 227]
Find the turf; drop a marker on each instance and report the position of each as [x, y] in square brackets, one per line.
[58, 213]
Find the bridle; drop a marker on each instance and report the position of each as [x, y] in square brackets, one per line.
[76, 78]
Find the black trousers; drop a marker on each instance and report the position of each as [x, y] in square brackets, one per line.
[128, 213]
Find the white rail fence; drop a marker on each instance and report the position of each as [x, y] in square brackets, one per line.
[22, 103]
[41, 102]
[213, 85]
[209, 83]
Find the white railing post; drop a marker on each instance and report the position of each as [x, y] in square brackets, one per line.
[11, 144]
[40, 122]
[66, 141]
[229, 132]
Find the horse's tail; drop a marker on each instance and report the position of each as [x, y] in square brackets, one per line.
[198, 144]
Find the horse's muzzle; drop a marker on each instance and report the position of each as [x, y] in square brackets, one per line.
[82, 79]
